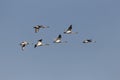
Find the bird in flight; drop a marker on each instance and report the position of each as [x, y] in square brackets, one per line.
[23, 45]
[69, 30]
[88, 41]
[39, 43]
[59, 39]
[37, 27]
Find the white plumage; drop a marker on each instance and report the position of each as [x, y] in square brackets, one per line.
[58, 39]
[69, 30]
[24, 44]
[39, 43]
[38, 27]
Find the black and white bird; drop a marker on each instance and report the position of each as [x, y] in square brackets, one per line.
[38, 27]
[39, 43]
[23, 45]
[88, 41]
[69, 30]
[59, 39]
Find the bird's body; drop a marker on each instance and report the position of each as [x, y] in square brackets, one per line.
[23, 44]
[39, 43]
[38, 27]
[69, 30]
[88, 41]
[58, 39]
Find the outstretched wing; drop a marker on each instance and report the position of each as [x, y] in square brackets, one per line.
[69, 28]
[59, 37]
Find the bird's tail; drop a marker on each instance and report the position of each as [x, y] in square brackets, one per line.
[75, 32]
[94, 41]
[46, 44]
[47, 26]
[65, 42]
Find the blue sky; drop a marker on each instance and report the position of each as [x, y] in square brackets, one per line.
[94, 19]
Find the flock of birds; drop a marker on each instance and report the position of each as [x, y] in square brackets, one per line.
[58, 39]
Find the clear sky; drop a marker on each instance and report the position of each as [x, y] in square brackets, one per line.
[95, 19]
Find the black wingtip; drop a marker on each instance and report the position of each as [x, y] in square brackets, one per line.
[35, 46]
[60, 36]
[71, 25]
[40, 40]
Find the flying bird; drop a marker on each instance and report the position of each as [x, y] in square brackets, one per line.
[38, 27]
[69, 30]
[23, 45]
[58, 39]
[88, 41]
[39, 43]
